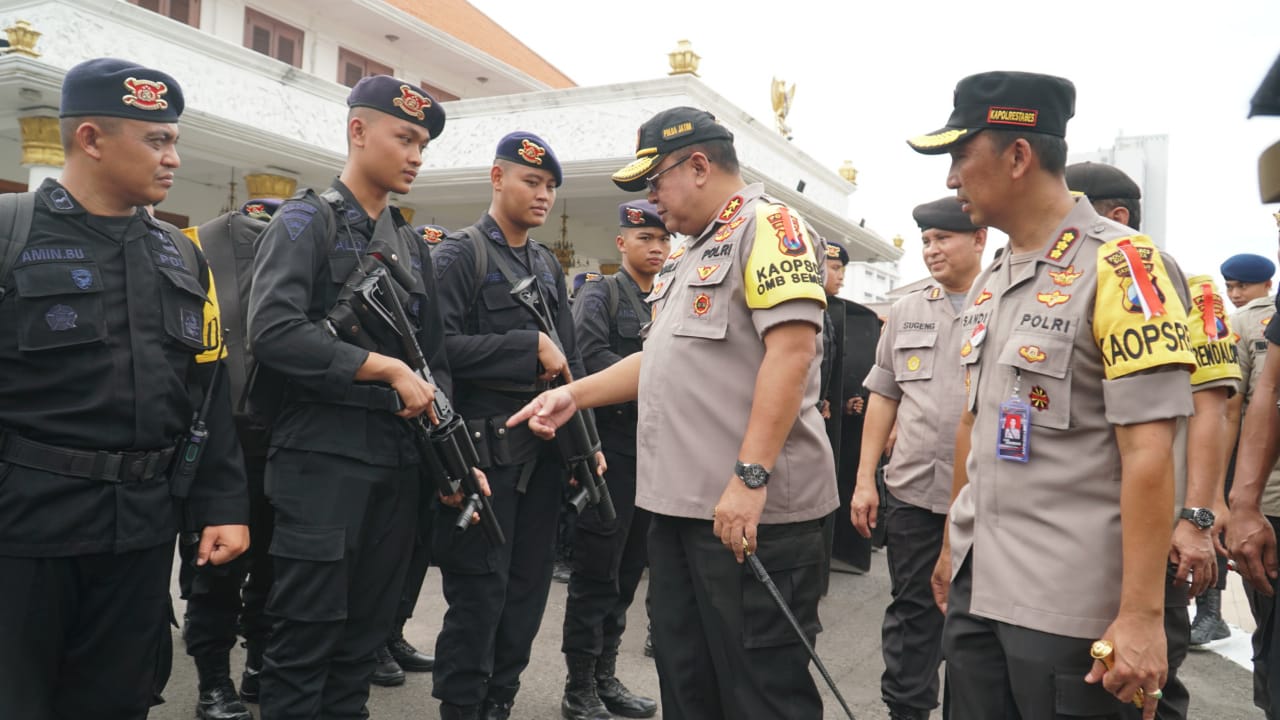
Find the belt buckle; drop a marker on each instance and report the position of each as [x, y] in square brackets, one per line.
[106, 467]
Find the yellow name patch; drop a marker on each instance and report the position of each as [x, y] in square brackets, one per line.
[784, 264]
[677, 130]
[1129, 342]
[1012, 116]
[1216, 359]
[212, 317]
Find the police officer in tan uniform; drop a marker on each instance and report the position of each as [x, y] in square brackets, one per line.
[1200, 454]
[732, 454]
[1077, 357]
[918, 383]
[1248, 280]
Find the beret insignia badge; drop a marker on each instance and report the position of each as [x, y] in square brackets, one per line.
[532, 152]
[145, 94]
[412, 103]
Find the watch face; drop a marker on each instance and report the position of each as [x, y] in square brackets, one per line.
[753, 476]
[1203, 518]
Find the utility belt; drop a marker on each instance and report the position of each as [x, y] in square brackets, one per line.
[377, 398]
[100, 465]
[498, 445]
[522, 391]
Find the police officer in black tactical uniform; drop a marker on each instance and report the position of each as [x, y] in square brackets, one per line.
[105, 335]
[500, 361]
[343, 473]
[608, 558]
[216, 611]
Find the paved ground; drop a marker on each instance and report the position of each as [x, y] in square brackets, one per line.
[850, 647]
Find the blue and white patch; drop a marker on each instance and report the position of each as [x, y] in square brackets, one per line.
[166, 240]
[350, 242]
[296, 217]
[45, 254]
[191, 323]
[82, 278]
[353, 213]
[60, 318]
[62, 200]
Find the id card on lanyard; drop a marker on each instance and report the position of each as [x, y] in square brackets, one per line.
[1013, 436]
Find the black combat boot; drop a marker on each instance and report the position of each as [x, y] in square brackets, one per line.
[902, 712]
[252, 669]
[497, 706]
[648, 641]
[1209, 625]
[218, 699]
[616, 697]
[406, 655]
[449, 711]
[580, 699]
[386, 671]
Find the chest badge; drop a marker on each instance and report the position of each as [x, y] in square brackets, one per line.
[983, 296]
[1052, 299]
[913, 363]
[701, 304]
[1063, 278]
[706, 271]
[1032, 353]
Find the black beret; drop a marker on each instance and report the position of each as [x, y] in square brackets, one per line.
[119, 88]
[667, 131]
[943, 214]
[432, 234]
[639, 213]
[836, 251]
[1247, 268]
[1028, 102]
[1099, 181]
[399, 99]
[525, 148]
[261, 209]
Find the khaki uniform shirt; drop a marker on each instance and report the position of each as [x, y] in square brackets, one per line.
[916, 365]
[1249, 323]
[712, 303]
[1065, 327]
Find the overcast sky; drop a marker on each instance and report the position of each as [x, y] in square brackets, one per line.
[871, 74]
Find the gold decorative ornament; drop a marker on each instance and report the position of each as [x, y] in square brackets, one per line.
[684, 61]
[265, 186]
[898, 242]
[849, 172]
[563, 248]
[782, 96]
[41, 141]
[22, 39]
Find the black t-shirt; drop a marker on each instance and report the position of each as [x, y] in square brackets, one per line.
[1272, 332]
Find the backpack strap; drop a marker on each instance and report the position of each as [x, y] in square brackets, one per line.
[16, 213]
[612, 282]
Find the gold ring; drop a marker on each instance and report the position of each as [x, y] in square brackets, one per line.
[1157, 694]
[746, 545]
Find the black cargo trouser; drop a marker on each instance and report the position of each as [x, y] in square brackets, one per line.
[911, 636]
[341, 545]
[608, 560]
[80, 636]
[1177, 631]
[216, 608]
[722, 646]
[419, 561]
[998, 671]
[496, 595]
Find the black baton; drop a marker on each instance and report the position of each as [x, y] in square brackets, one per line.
[763, 576]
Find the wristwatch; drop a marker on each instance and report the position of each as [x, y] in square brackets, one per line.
[753, 475]
[1202, 518]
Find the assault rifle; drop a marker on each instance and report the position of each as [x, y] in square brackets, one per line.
[369, 313]
[578, 440]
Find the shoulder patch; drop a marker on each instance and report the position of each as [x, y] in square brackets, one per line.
[296, 216]
[783, 264]
[1136, 323]
[1063, 244]
[1215, 349]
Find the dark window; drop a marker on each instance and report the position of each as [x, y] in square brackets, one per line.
[184, 11]
[271, 37]
[441, 95]
[353, 67]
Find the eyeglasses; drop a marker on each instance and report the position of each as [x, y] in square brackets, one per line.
[652, 180]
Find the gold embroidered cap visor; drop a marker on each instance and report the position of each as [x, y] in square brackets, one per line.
[663, 133]
[1028, 102]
